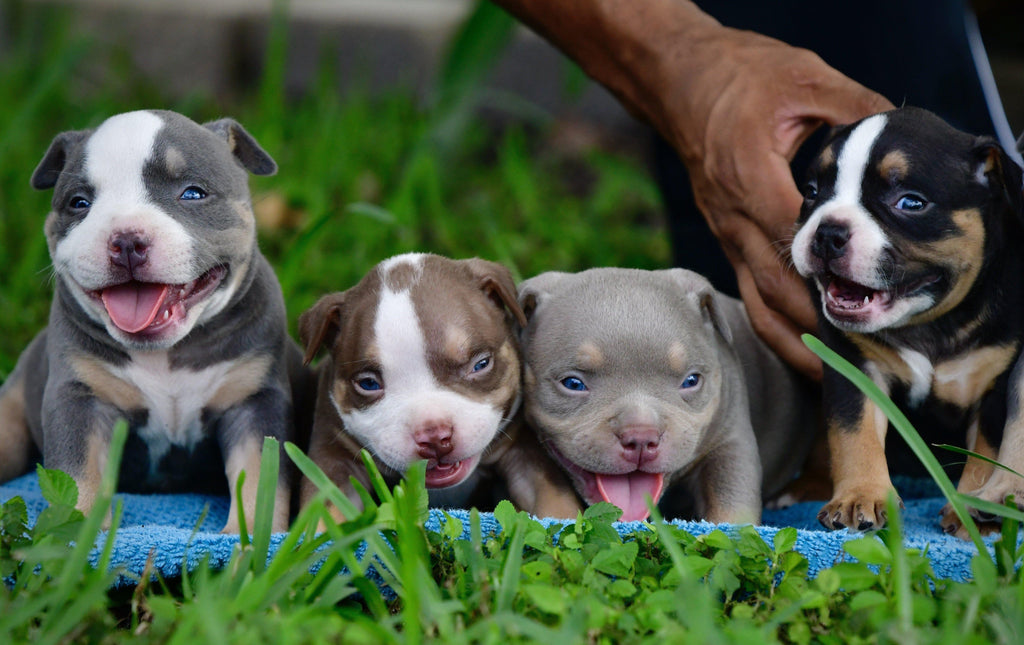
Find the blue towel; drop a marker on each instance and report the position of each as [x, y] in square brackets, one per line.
[164, 525]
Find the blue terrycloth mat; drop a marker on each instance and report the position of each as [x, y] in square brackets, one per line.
[163, 524]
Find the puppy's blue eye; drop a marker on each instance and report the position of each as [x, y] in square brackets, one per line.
[574, 384]
[79, 203]
[691, 381]
[193, 192]
[482, 364]
[810, 192]
[368, 384]
[911, 203]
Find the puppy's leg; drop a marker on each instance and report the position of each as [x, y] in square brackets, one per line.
[15, 436]
[729, 478]
[76, 436]
[976, 472]
[1002, 483]
[20, 409]
[241, 430]
[333, 452]
[535, 483]
[860, 474]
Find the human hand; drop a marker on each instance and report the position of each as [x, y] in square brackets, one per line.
[736, 106]
[737, 124]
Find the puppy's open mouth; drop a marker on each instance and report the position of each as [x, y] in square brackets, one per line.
[444, 475]
[846, 299]
[628, 491]
[148, 307]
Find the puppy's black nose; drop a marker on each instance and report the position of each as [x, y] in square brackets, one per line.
[127, 250]
[830, 240]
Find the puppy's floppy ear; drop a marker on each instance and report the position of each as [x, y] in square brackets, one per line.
[242, 144]
[320, 325]
[1000, 173]
[533, 292]
[52, 164]
[495, 280]
[698, 290]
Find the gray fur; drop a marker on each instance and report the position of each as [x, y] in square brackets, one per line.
[633, 317]
[62, 411]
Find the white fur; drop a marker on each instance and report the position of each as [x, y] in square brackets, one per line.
[412, 396]
[867, 239]
[175, 398]
[921, 370]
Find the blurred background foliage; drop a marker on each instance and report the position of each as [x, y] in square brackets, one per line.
[458, 168]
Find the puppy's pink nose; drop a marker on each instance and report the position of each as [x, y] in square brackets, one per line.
[434, 440]
[127, 250]
[640, 444]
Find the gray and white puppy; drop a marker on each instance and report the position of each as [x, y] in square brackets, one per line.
[164, 313]
[639, 380]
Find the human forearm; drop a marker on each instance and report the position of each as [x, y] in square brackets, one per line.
[628, 46]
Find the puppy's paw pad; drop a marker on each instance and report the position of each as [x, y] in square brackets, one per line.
[862, 512]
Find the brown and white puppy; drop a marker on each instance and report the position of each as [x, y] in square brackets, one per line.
[164, 313]
[644, 382]
[423, 364]
[912, 233]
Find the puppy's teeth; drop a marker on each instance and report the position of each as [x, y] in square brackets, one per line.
[867, 299]
[167, 314]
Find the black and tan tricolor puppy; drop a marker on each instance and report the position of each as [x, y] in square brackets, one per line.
[912, 232]
[423, 363]
[164, 313]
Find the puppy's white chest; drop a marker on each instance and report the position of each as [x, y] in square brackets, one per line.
[174, 398]
[922, 373]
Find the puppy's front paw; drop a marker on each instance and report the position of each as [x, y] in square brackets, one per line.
[861, 508]
[951, 524]
[997, 489]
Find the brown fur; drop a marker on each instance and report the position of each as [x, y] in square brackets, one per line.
[458, 325]
[894, 166]
[15, 436]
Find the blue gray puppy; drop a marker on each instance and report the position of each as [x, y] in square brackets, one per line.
[164, 313]
[649, 382]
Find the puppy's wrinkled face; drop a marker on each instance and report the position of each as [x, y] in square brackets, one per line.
[151, 229]
[897, 215]
[622, 380]
[426, 365]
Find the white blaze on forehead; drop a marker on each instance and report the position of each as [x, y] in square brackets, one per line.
[400, 343]
[117, 152]
[413, 259]
[845, 206]
[853, 158]
[401, 346]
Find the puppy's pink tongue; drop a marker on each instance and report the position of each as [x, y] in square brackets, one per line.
[134, 305]
[627, 492]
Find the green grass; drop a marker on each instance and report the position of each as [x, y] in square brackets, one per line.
[364, 177]
[580, 582]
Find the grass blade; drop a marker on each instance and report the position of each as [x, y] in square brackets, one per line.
[266, 496]
[510, 572]
[971, 453]
[323, 483]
